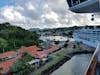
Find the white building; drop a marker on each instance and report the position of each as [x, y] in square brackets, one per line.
[54, 38]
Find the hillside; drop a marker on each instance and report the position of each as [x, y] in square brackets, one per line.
[13, 37]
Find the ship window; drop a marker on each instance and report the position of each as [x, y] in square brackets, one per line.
[82, 0]
[74, 2]
[69, 3]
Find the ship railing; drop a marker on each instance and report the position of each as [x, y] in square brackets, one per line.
[92, 64]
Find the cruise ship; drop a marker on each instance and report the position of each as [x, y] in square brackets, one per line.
[88, 36]
[91, 37]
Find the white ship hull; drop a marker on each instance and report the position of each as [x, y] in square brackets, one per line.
[85, 42]
[90, 37]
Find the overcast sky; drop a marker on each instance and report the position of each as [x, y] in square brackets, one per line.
[42, 14]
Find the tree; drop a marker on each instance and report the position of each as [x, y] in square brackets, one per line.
[1, 70]
[19, 67]
[3, 44]
[4, 34]
[15, 37]
[26, 57]
[56, 42]
[6, 23]
[74, 46]
[65, 45]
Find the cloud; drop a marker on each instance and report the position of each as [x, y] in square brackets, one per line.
[9, 14]
[43, 14]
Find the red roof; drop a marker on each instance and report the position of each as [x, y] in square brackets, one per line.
[7, 63]
[33, 51]
[30, 48]
[53, 48]
[7, 54]
[39, 54]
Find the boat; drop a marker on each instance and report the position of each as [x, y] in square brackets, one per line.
[84, 6]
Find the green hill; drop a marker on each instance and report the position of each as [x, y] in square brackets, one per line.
[13, 37]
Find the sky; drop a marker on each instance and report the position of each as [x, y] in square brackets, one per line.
[42, 14]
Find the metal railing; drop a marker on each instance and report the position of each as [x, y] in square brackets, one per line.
[92, 65]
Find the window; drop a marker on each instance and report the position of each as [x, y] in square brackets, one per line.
[82, 0]
[69, 3]
[74, 2]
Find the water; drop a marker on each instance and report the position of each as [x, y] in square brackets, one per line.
[56, 38]
[76, 66]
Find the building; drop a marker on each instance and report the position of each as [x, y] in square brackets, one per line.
[50, 50]
[7, 60]
[34, 51]
[53, 38]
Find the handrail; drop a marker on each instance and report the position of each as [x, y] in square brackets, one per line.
[92, 65]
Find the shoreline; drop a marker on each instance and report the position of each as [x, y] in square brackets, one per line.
[56, 66]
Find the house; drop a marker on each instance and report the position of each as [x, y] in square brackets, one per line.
[35, 62]
[51, 49]
[34, 51]
[7, 60]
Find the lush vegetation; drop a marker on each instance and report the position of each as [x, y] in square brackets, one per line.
[61, 53]
[20, 66]
[52, 62]
[13, 37]
[26, 57]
